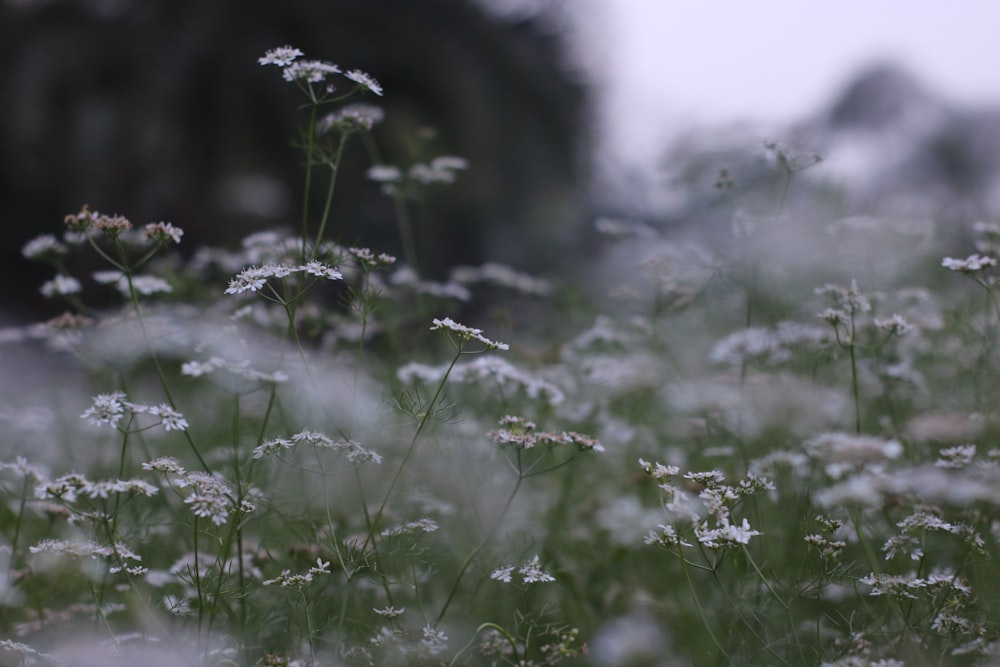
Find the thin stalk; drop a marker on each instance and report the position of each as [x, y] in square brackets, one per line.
[197, 578]
[134, 297]
[406, 233]
[334, 167]
[479, 547]
[17, 527]
[310, 147]
[412, 446]
[701, 611]
[852, 349]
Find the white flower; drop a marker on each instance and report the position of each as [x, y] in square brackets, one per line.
[147, 285]
[502, 574]
[434, 641]
[209, 496]
[970, 264]
[385, 173]
[533, 573]
[61, 284]
[249, 279]
[107, 409]
[322, 270]
[164, 464]
[726, 535]
[42, 245]
[895, 325]
[311, 71]
[321, 567]
[467, 333]
[390, 611]
[163, 231]
[283, 56]
[956, 457]
[364, 80]
[169, 418]
[197, 368]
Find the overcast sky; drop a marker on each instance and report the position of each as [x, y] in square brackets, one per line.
[663, 63]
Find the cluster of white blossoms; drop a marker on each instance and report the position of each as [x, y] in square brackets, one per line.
[313, 71]
[68, 488]
[767, 346]
[927, 519]
[519, 433]
[407, 277]
[208, 495]
[424, 525]
[715, 502]
[43, 246]
[501, 275]
[531, 572]
[126, 560]
[142, 284]
[62, 285]
[464, 333]
[110, 408]
[487, 371]
[240, 368]
[355, 452]
[298, 581]
[253, 278]
[971, 264]
[439, 170]
[909, 586]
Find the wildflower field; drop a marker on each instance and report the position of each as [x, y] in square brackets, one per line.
[774, 449]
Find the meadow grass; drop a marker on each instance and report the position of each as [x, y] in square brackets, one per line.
[291, 453]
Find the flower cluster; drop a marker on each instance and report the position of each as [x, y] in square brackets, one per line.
[42, 246]
[62, 285]
[121, 555]
[519, 433]
[313, 71]
[110, 408]
[365, 257]
[971, 264]
[352, 118]
[425, 525]
[298, 581]
[716, 500]
[354, 452]
[531, 572]
[254, 278]
[501, 275]
[208, 496]
[464, 333]
[407, 277]
[68, 488]
[927, 519]
[162, 232]
[239, 368]
[487, 371]
[144, 285]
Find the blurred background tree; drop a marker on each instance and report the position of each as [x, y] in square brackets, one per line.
[157, 109]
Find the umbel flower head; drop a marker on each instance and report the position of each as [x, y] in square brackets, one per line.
[464, 333]
[314, 71]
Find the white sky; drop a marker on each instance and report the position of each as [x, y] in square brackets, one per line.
[662, 63]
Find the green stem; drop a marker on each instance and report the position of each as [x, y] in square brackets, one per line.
[424, 418]
[134, 297]
[701, 610]
[334, 167]
[406, 233]
[852, 349]
[479, 547]
[310, 147]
